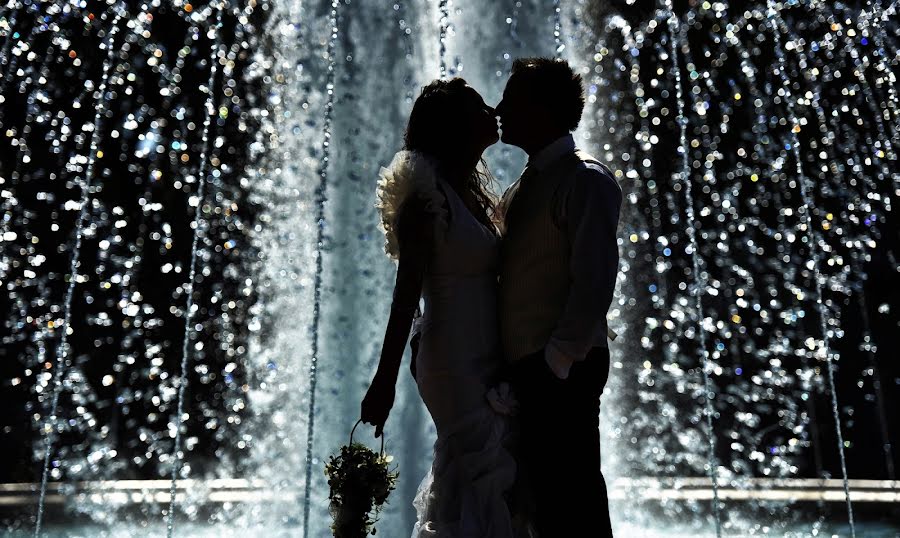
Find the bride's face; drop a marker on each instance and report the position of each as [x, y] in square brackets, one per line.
[482, 121]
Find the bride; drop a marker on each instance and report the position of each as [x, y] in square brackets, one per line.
[438, 218]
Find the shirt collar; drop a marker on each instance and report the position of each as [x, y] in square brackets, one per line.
[551, 152]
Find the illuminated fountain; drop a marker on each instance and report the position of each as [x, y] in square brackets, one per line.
[196, 291]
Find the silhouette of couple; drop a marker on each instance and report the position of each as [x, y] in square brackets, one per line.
[510, 354]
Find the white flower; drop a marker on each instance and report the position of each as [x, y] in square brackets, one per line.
[409, 173]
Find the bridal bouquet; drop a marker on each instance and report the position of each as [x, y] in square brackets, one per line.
[360, 481]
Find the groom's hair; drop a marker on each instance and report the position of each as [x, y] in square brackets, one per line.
[553, 83]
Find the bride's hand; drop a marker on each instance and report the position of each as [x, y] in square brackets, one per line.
[377, 403]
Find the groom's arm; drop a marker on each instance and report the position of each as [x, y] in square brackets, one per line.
[591, 217]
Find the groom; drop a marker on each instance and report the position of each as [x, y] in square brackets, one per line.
[559, 260]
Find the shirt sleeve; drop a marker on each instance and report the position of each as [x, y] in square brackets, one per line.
[415, 235]
[590, 217]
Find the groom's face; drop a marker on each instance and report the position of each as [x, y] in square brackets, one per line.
[515, 111]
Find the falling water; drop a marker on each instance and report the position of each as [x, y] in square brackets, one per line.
[62, 351]
[876, 106]
[22, 151]
[10, 36]
[8, 63]
[559, 46]
[876, 14]
[182, 382]
[321, 198]
[676, 42]
[856, 266]
[444, 10]
[814, 252]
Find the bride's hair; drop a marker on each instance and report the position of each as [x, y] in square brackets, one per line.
[435, 129]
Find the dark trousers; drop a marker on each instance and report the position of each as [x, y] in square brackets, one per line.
[559, 445]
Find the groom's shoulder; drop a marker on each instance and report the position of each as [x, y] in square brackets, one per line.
[591, 169]
[588, 162]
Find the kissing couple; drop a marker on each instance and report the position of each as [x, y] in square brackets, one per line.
[510, 354]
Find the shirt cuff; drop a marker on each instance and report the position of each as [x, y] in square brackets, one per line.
[559, 362]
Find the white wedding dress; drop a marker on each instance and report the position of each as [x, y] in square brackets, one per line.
[464, 493]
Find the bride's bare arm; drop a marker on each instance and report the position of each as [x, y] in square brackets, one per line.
[415, 231]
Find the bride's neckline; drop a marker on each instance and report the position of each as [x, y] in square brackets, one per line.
[449, 187]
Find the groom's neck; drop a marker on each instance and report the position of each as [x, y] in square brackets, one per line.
[542, 141]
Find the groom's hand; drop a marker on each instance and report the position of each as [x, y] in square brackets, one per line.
[558, 362]
[377, 404]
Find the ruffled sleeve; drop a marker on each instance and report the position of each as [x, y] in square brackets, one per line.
[409, 174]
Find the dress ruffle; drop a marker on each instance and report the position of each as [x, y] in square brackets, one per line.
[410, 173]
[464, 495]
